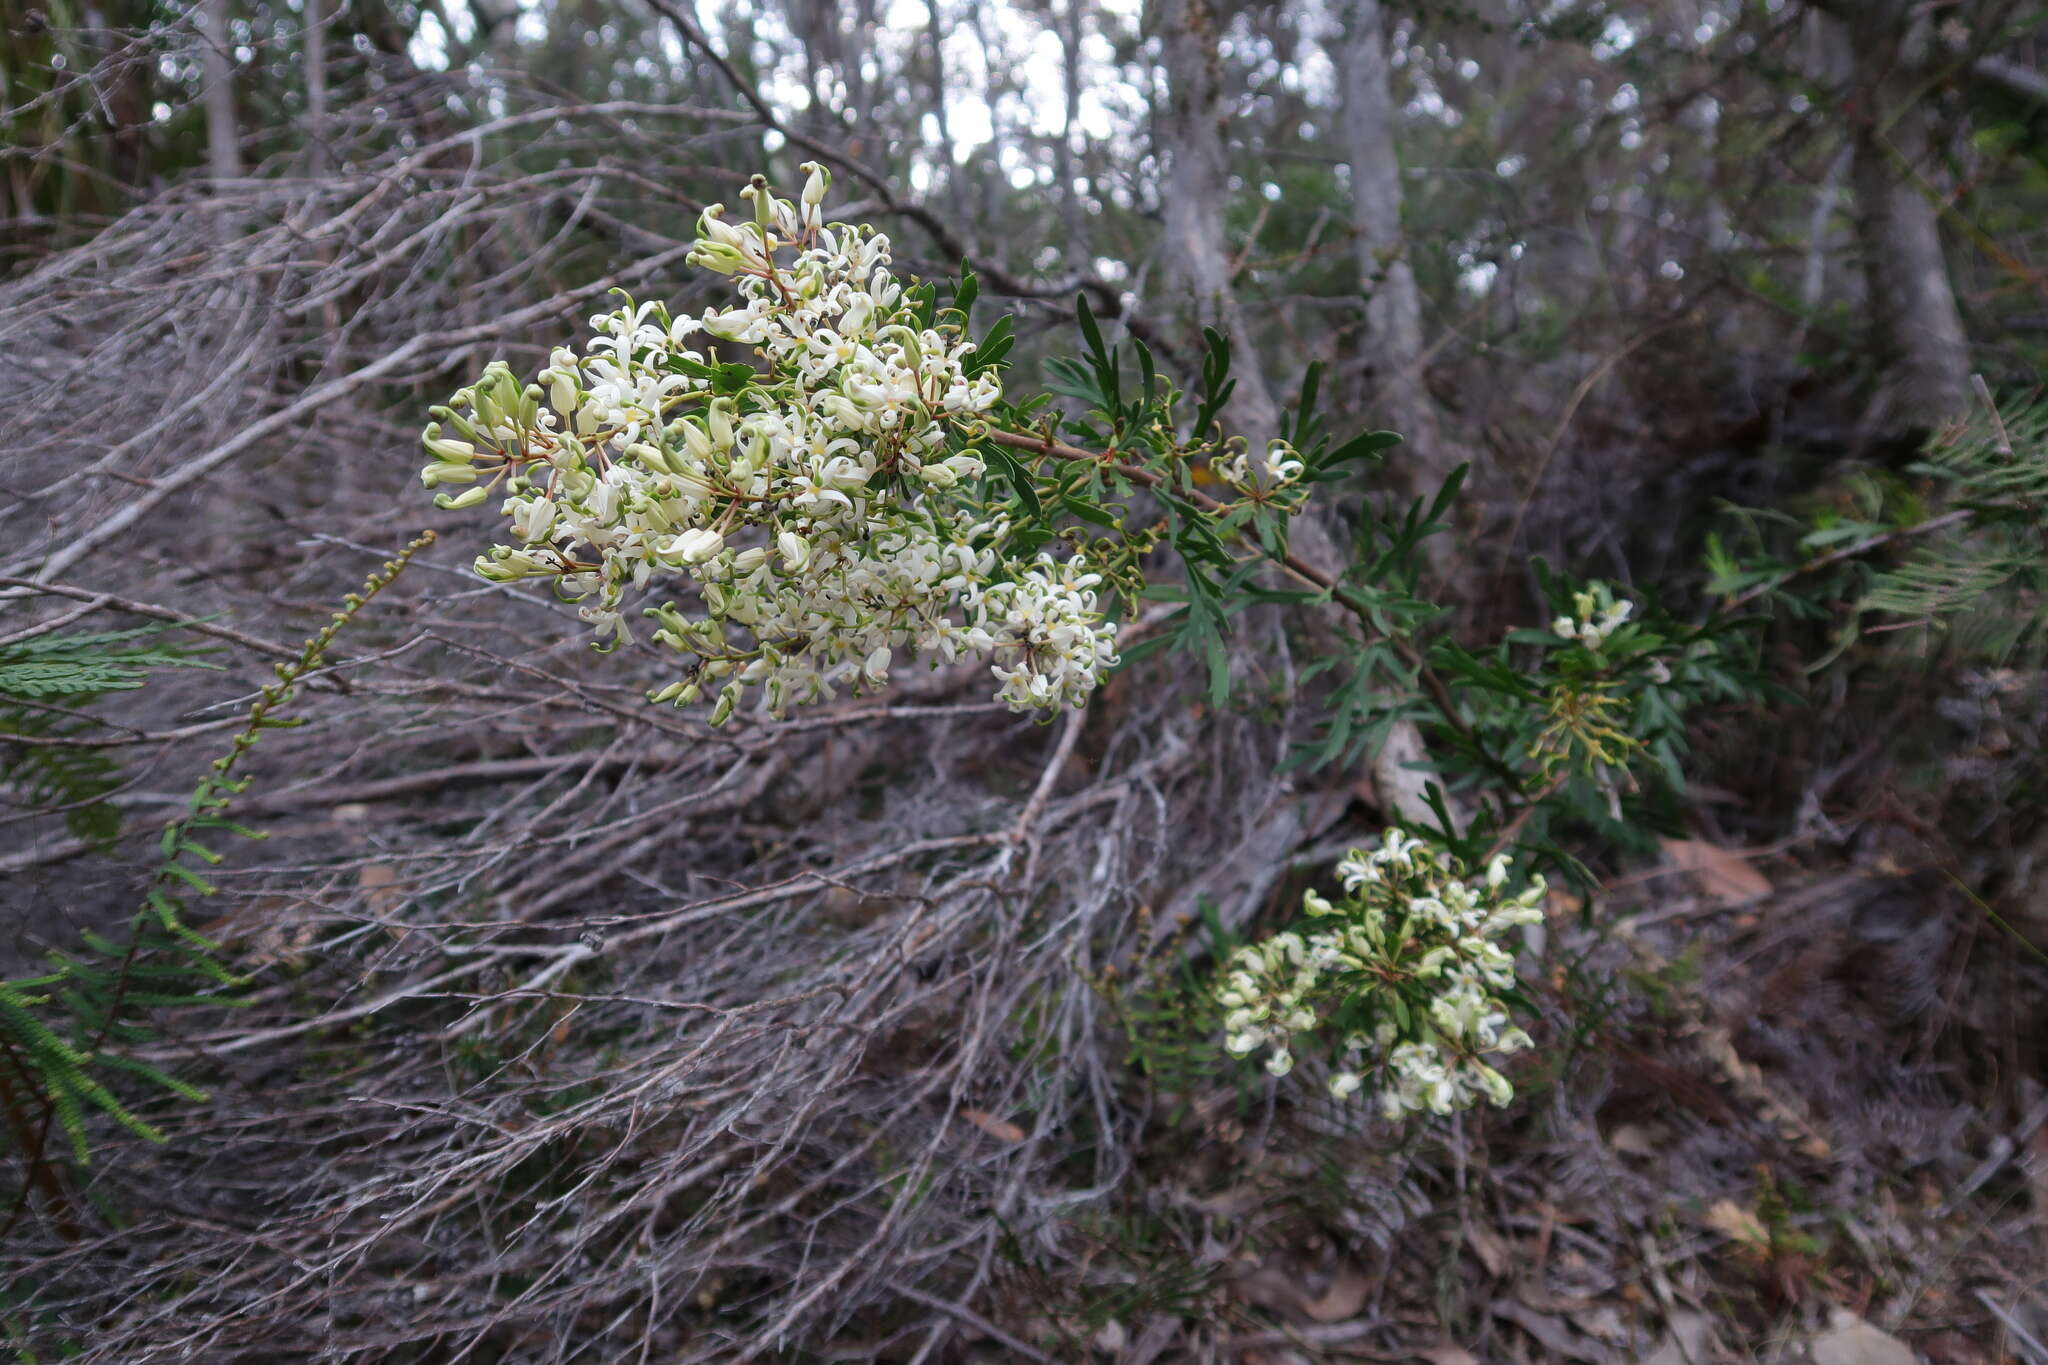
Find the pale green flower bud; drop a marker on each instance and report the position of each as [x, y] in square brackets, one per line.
[711, 224]
[460, 451]
[795, 550]
[756, 193]
[669, 619]
[563, 393]
[435, 474]
[842, 411]
[719, 259]
[1496, 1085]
[696, 441]
[467, 499]
[728, 699]
[649, 455]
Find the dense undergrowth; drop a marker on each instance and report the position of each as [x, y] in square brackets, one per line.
[900, 1027]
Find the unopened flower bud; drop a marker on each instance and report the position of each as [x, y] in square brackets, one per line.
[460, 451]
[694, 546]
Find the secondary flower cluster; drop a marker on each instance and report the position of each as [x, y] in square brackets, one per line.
[1281, 467]
[1407, 972]
[1596, 615]
[822, 500]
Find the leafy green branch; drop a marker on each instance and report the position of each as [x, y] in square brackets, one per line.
[99, 992]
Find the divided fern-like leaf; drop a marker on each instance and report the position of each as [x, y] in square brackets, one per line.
[103, 990]
[1983, 577]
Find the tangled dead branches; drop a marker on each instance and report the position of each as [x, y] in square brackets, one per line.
[582, 1027]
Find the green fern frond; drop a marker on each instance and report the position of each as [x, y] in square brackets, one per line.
[1983, 576]
[2000, 462]
[83, 665]
[1942, 580]
[103, 989]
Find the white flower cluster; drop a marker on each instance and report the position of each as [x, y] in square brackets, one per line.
[1280, 467]
[1596, 615]
[1408, 968]
[823, 501]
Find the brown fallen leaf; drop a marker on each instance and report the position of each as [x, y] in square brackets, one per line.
[1447, 1352]
[1690, 1341]
[1723, 874]
[1603, 1320]
[1553, 1335]
[1535, 1294]
[1491, 1249]
[267, 931]
[1729, 1218]
[1000, 1129]
[1349, 1288]
[1634, 1139]
[379, 885]
[1850, 1340]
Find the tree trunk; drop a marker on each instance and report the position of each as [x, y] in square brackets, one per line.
[936, 25]
[1912, 306]
[1194, 191]
[223, 148]
[1070, 193]
[1393, 313]
[316, 87]
[1393, 302]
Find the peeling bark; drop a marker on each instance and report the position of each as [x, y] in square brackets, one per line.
[1912, 305]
